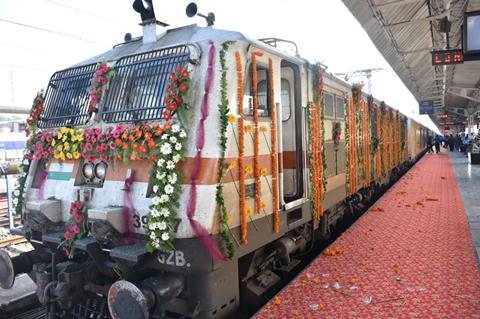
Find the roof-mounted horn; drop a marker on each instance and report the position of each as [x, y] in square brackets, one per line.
[149, 22]
[192, 10]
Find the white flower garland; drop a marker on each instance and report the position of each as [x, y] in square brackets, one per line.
[162, 223]
[20, 187]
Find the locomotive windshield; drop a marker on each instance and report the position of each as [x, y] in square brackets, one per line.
[66, 98]
[136, 93]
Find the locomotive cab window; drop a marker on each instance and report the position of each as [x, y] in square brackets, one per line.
[286, 100]
[339, 108]
[262, 93]
[328, 102]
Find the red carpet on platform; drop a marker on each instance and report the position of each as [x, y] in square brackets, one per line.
[410, 256]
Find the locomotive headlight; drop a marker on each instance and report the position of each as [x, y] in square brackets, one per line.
[100, 170]
[87, 170]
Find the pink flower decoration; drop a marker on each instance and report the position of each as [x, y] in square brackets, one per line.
[68, 235]
[98, 149]
[98, 131]
[103, 157]
[116, 134]
[104, 147]
[112, 145]
[93, 139]
[66, 251]
[76, 229]
[89, 147]
[78, 218]
[92, 158]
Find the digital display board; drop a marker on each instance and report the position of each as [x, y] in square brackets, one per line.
[471, 29]
[445, 57]
[426, 107]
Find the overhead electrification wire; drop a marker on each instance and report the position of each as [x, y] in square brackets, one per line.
[21, 47]
[60, 33]
[85, 12]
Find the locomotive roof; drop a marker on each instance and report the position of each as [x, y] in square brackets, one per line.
[188, 34]
[191, 34]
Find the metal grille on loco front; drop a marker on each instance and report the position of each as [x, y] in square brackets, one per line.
[66, 98]
[137, 91]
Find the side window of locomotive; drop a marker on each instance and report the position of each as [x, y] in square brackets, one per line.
[286, 100]
[262, 93]
[339, 108]
[328, 103]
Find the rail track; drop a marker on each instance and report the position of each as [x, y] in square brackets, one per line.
[13, 240]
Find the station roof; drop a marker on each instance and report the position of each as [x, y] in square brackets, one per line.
[406, 32]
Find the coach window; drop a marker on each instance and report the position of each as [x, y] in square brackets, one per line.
[262, 93]
[339, 108]
[329, 105]
[286, 100]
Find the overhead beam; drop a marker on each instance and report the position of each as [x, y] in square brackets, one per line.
[462, 93]
[395, 3]
[11, 109]
[420, 20]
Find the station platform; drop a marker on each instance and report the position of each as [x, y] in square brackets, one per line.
[410, 256]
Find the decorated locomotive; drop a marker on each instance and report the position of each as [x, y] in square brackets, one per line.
[185, 174]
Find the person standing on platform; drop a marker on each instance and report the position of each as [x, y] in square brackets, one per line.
[430, 144]
[438, 141]
[451, 142]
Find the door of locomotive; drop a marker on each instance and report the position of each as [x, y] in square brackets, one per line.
[292, 152]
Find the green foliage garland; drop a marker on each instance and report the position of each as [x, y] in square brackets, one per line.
[223, 111]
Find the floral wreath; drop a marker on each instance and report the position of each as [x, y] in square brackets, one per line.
[163, 144]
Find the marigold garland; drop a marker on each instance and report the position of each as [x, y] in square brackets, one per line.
[223, 113]
[366, 144]
[378, 153]
[316, 143]
[177, 89]
[256, 136]
[352, 144]
[273, 139]
[241, 151]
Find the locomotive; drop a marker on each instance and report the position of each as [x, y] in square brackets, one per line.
[185, 174]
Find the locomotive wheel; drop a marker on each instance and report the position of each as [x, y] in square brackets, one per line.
[7, 273]
[126, 301]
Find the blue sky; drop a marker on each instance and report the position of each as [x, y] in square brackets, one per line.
[324, 31]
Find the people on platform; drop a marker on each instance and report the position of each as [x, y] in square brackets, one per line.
[438, 141]
[430, 144]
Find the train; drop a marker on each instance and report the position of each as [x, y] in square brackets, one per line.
[186, 174]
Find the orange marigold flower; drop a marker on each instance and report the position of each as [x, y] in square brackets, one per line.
[262, 205]
[249, 211]
[249, 128]
[277, 301]
[232, 118]
[118, 141]
[264, 171]
[263, 128]
[125, 146]
[248, 170]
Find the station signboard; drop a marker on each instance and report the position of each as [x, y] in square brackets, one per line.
[426, 107]
[445, 57]
[443, 116]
